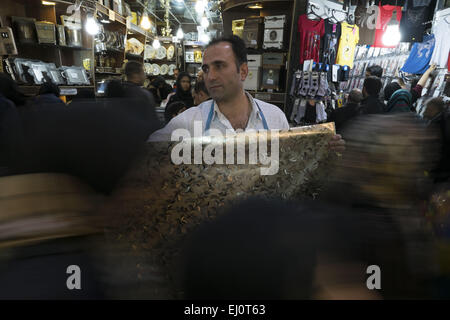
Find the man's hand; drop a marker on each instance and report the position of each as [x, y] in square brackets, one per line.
[337, 143]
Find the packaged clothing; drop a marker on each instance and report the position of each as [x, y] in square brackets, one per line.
[330, 42]
[420, 56]
[442, 47]
[383, 19]
[347, 44]
[310, 34]
[412, 25]
[366, 19]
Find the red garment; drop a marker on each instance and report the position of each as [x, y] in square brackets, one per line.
[310, 33]
[448, 62]
[382, 22]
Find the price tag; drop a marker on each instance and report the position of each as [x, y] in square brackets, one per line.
[112, 15]
[269, 81]
[253, 42]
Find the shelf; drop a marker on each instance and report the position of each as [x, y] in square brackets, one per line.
[194, 62]
[55, 46]
[117, 17]
[163, 61]
[134, 56]
[115, 50]
[108, 73]
[193, 43]
[33, 90]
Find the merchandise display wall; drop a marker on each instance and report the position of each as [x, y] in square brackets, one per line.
[338, 41]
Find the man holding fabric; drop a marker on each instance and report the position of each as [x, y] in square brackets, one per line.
[231, 108]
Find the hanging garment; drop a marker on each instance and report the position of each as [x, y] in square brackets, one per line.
[442, 47]
[420, 56]
[412, 25]
[385, 15]
[321, 115]
[347, 44]
[366, 20]
[310, 34]
[448, 62]
[330, 42]
[301, 111]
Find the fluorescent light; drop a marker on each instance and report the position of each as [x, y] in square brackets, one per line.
[145, 21]
[48, 3]
[156, 44]
[92, 26]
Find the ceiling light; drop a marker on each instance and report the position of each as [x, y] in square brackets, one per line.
[204, 22]
[391, 36]
[92, 26]
[255, 6]
[145, 21]
[156, 44]
[200, 6]
[205, 38]
[180, 33]
[48, 3]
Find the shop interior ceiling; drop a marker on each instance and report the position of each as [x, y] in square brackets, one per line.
[182, 12]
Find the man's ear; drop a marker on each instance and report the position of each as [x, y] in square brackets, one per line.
[243, 71]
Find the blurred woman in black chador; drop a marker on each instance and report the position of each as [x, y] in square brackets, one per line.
[160, 89]
[10, 90]
[184, 90]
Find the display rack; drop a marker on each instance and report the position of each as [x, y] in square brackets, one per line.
[193, 53]
[233, 10]
[100, 65]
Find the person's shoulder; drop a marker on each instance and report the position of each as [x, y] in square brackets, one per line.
[269, 108]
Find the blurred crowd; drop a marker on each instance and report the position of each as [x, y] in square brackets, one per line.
[387, 202]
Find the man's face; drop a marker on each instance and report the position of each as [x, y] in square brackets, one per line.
[199, 97]
[176, 72]
[368, 74]
[139, 78]
[222, 79]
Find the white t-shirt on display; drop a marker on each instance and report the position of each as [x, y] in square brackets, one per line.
[442, 47]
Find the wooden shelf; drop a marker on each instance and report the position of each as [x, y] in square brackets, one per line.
[50, 45]
[117, 17]
[134, 56]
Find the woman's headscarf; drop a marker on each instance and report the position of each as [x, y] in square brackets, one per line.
[400, 101]
[185, 96]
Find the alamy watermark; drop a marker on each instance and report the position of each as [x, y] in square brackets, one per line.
[209, 149]
[374, 280]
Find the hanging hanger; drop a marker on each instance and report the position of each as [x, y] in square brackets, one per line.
[311, 11]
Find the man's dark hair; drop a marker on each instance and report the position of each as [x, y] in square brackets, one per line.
[132, 68]
[376, 71]
[355, 96]
[49, 87]
[173, 109]
[200, 87]
[238, 46]
[390, 89]
[372, 85]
